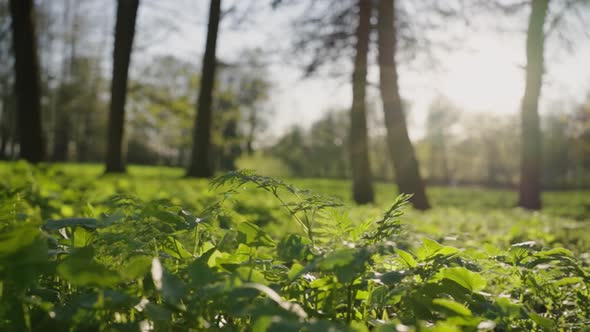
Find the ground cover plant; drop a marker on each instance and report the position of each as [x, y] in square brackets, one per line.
[246, 252]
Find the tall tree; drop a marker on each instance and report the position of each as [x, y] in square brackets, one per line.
[253, 92]
[201, 162]
[67, 91]
[407, 173]
[27, 80]
[441, 115]
[62, 125]
[7, 112]
[362, 186]
[124, 33]
[530, 171]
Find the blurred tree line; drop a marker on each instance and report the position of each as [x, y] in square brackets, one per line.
[75, 82]
[458, 147]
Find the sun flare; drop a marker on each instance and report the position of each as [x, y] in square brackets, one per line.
[483, 81]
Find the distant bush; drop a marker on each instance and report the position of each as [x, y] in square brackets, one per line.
[264, 165]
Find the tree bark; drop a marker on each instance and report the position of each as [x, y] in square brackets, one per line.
[84, 140]
[407, 172]
[253, 119]
[27, 81]
[530, 168]
[231, 148]
[201, 164]
[362, 185]
[3, 137]
[6, 124]
[61, 138]
[124, 33]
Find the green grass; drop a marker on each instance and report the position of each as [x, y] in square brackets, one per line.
[150, 182]
[81, 251]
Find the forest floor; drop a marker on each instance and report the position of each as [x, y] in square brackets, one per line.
[498, 256]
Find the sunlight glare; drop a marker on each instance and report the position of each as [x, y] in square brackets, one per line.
[480, 81]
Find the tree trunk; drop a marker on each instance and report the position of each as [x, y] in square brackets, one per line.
[83, 142]
[61, 138]
[5, 125]
[362, 185]
[249, 147]
[530, 171]
[3, 136]
[252, 131]
[407, 172]
[201, 164]
[27, 81]
[231, 148]
[445, 162]
[124, 33]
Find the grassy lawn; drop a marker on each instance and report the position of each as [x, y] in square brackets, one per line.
[150, 182]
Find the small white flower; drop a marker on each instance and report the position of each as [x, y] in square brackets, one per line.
[486, 325]
[402, 328]
[146, 326]
[157, 273]
[142, 304]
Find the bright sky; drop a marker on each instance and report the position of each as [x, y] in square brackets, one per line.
[484, 74]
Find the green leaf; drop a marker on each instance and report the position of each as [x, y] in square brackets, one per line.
[568, 281]
[346, 264]
[212, 260]
[545, 323]
[80, 269]
[82, 237]
[190, 219]
[388, 327]
[175, 249]
[111, 219]
[14, 240]
[293, 247]
[170, 218]
[462, 276]
[23, 255]
[276, 324]
[406, 258]
[251, 275]
[336, 258]
[392, 277]
[512, 310]
[87, 223]
[252, 235]
[453, 307]
[295, 271]
[431, 249]
[271, 294]
[389, 225]
[201, 274]
[157, 313]
[444, 327]
[136, 267]
[556, 252]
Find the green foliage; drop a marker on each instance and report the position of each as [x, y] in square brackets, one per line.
[264, 165]
[80, 269]
[257, 253]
